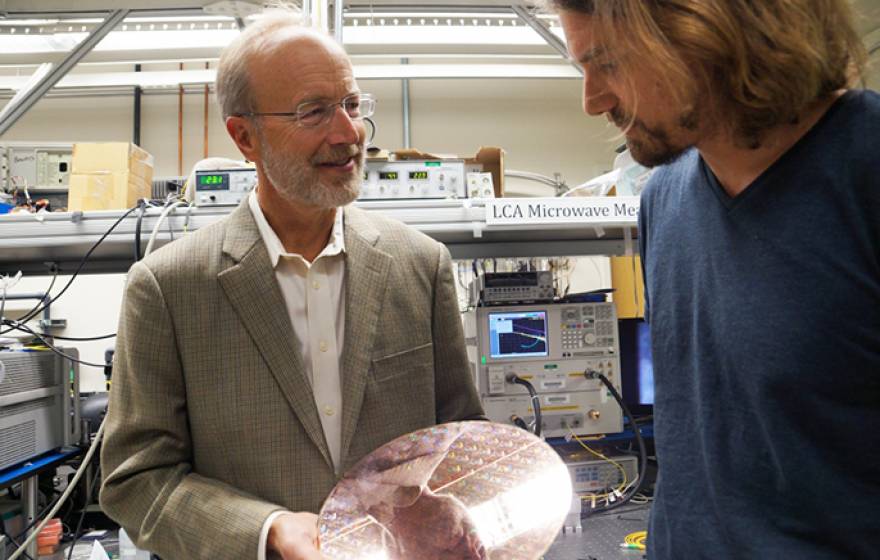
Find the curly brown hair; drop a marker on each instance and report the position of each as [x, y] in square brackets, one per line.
[762, 61]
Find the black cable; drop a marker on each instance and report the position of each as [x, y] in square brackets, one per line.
[78, 339]
[13, 540]
[52, 347]
[37, 310]
[82, 514]
[38, 518]
[519, 423]
[46, 510]
[643, 454]
[19, 326]
[15, 544]
[142, 208]
[536, 401]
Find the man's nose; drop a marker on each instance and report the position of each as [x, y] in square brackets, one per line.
[598, 99]
[344, 129]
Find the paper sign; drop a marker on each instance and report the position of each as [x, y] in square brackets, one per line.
[606, 210]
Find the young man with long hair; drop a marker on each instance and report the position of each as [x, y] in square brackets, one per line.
[760, 239]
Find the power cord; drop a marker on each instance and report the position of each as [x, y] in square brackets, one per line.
[4, 535]
[536, 401]
[19, 326]
[613, 493]
[82, 514]
[40, 515]
[53, 348]
[643, 454]
[36, 520]
[141, 208]
[170, 206]
[53, 268]
[519, 422]
[85, 462]
[40, 307]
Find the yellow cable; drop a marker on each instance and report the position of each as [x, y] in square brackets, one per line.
[604, 458]
[637, 539]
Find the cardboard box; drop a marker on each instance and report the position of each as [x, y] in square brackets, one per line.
[106, 190]
[112, 157]
[626, 279]
[492, 160]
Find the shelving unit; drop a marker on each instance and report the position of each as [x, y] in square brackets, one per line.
[28, 242]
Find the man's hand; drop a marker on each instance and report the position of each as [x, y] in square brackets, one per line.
[436, 527]
[294, 536]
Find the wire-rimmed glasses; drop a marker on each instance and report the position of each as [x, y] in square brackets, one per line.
[311, 114]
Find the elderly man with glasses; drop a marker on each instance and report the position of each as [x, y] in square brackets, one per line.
[261, 357]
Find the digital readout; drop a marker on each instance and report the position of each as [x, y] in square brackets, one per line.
[211, 179]
[388, 175]
[212, 182]
[418, 175]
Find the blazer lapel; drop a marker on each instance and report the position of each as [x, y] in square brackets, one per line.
[253, 292]
[366, 274]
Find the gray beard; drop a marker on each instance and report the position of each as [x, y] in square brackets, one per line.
[298, 182]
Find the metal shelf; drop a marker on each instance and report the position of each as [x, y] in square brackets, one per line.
[28, 242]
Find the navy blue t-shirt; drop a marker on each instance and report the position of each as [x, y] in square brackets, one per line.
[765, 322]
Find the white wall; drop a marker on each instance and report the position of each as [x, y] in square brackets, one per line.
[538, 123]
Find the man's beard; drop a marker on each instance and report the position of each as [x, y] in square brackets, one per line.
[298, 179]
[655, 146]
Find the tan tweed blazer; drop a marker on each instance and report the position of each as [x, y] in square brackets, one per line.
[212, 424]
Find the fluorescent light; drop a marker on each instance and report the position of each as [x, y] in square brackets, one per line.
[173, 78]
[137, 36]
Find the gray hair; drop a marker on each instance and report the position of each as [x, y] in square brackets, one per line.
[234, 93]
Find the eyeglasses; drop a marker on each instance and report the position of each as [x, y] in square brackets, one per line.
[314, 113]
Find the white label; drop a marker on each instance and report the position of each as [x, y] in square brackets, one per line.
[574, 210]
[554, 384]
[550, 400]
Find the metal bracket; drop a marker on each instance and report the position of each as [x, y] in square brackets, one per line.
[47, 75]
[46, 324]
[545, 33]
[627, 241]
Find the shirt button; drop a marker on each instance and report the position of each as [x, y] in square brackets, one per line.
[322, 346]
[328, 410]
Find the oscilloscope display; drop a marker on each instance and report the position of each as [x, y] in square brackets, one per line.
[518, 334]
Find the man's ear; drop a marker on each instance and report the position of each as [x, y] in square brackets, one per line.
[242, 132]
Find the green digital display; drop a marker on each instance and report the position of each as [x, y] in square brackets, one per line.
[418, 175]
[388, 175]
[212, 181]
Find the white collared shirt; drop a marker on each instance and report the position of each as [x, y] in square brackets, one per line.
[314, 294]
[315, 299]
